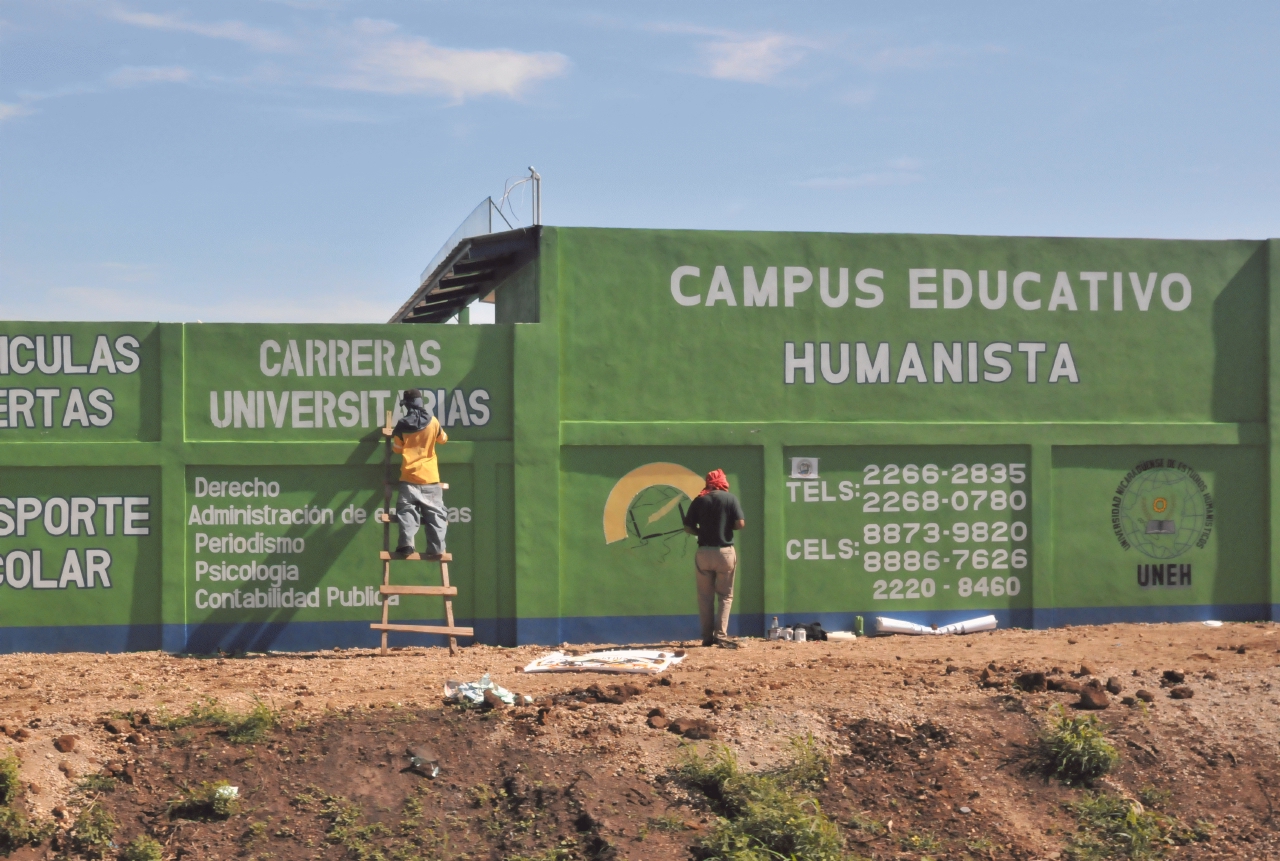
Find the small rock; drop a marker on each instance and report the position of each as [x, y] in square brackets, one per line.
[1241, 650]
[952, 668]
[20, 734]
[694, 728]
[1174, 676]
[1146, 696]
[1130, 701]
[1032, 682]
[493, 701]
[128, 773]
[33, 788]
[1067, 686]
[966, 810]
[657, 711]
[658, 721]
[1114, 686]
[117, 727]
[135, 738]
[1182, 692]
[1071, 642]
[1211, 675]
[65, 743]
[1094, 699]
[1088, 670]
[59, 812]
[702, 730]
[66, 768]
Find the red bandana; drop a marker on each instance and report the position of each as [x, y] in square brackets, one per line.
[715, 481]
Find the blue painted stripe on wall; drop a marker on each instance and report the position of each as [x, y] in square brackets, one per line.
[81, 638]
[310, 636]
[1175, 613]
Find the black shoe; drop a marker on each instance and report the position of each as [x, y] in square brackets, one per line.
[405, 551]
[726, 642]
[708, 642]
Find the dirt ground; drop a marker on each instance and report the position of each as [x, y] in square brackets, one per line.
[929, 738]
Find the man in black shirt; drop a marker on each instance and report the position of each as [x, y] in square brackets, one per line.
[713, 517]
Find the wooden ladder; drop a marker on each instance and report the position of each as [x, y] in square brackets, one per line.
[387, 590]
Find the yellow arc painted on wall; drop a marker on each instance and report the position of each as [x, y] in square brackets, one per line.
[630, 485]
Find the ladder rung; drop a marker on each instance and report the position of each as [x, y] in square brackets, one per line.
[426, 629]
[418, 590]
[415, 557]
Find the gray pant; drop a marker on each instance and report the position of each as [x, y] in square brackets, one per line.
[422, 504]
[716, 567]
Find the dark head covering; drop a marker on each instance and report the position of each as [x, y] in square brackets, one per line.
[416, 416]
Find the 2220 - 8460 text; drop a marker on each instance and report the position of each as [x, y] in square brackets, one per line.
[926, 588]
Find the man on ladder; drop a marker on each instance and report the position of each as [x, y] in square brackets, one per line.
[421, 499]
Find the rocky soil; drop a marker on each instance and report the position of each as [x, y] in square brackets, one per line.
[931, 742]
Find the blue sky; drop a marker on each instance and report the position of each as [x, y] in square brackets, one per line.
[292, 160]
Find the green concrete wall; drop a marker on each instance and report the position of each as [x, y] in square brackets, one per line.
[927, 427]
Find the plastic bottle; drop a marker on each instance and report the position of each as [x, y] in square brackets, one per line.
[774, 629]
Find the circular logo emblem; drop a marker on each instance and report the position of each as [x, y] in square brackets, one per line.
[1163, 509]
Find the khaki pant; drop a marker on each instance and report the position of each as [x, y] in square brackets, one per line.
[716, 567]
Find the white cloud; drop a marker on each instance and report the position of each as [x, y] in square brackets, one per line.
[379, 58]
[235, 31]
[9, 110]
[131, 75]
[755, 60]
[366, 56]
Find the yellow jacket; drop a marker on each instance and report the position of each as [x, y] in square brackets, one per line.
[419, 450]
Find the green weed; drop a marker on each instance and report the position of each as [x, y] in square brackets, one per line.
[1115, 827]
[1151, 796]
[867, 825]
[668, 823]
[92, 831]
[16, 830]
[142, 848]
[344, 830]
[10, 780]
[249, 727]
[96, 783]
[208, 801]
[763, 816]
[980, 846]
[1075, 750]
[925, 841]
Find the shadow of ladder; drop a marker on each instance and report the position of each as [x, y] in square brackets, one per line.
[387, 589]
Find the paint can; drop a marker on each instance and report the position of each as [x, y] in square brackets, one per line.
[801, 635]
[788, 634]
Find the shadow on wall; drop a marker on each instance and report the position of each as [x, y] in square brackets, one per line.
[1239, 345]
